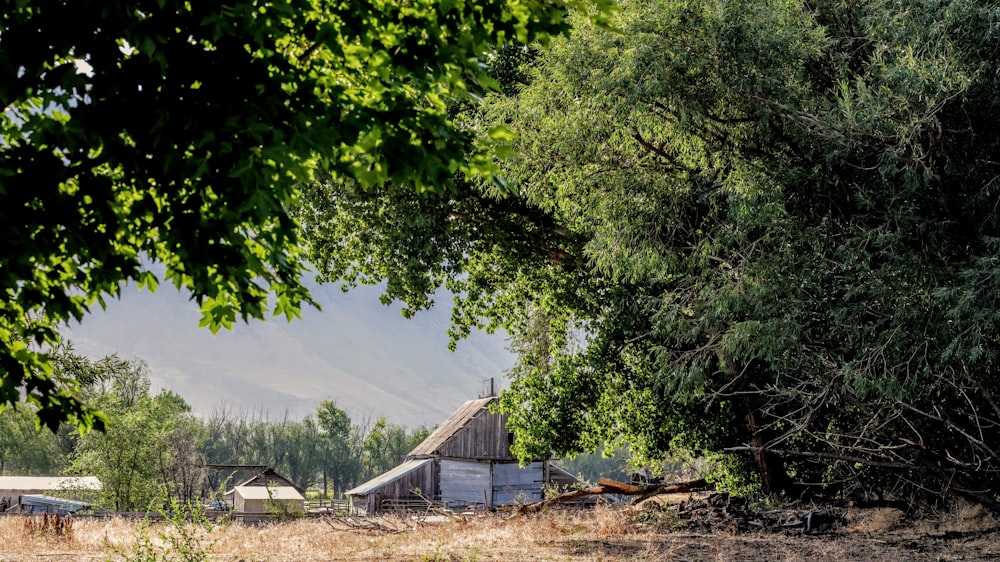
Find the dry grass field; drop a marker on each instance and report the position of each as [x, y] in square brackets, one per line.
[601, 534]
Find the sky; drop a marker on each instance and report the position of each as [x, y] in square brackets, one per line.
[358, 352]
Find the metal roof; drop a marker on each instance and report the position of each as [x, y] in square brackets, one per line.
[455, 422]
[407, 467]
[59, 503]
[268, 493]
[266, 477]
[272, 476]
[560, 475]
[49, 483]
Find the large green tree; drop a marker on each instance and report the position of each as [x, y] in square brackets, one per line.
[341, 448]
[386, 444]
[766, 229]
[136, 132]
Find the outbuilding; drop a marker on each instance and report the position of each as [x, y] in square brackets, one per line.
[465, 462]
[13, 487]
[267, 492]
[268, 499]
[50, 504]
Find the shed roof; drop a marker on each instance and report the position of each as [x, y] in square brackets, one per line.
[58, 503]
[455, 422]
[268, 493]
[561, 476]
[49, 483]
[407, 467]
[267, 477]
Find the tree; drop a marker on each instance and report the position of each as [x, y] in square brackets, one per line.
[297, 450]
[181, 462]
[140, 132]
[24, 447]
[135, 458]
[386, 444]
[761, 230]
[341, 449]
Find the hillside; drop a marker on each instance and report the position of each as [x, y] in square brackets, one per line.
[356, 351]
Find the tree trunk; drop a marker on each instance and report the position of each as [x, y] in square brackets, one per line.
[608, 486]
[771, 467]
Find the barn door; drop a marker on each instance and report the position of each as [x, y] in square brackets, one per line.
[464, 483]
[513, 484]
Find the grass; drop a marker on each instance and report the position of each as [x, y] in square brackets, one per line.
[602, 534]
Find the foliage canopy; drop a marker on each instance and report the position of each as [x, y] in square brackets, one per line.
[140, 132]
[762, 228]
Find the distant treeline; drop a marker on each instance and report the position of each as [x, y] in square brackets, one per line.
[154, 443]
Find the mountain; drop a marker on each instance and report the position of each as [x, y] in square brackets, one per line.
[364, 355]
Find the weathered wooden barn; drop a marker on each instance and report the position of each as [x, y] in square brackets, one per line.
[465, 462]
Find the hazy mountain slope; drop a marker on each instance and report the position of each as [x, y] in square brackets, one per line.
[362, 354]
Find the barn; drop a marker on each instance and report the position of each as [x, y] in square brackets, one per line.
[465, 462]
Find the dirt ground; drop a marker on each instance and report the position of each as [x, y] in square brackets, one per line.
[609, 533]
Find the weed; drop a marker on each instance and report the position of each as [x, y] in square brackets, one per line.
[54, 525]
[183, 537]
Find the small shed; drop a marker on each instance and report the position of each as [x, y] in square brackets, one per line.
[266, 492]
[465, 462]
[267, 499]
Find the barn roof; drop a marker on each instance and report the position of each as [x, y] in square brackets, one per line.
[268, 493]
[267, 477]
[370, 486]
[49, 483]
[462, 416]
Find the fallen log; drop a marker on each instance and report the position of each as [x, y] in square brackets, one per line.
[617, 487]
[608, 486]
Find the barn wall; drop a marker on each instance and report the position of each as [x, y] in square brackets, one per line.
[252, 506]
[464, 483]
[360, 505]
[513, 484]
[483, 437]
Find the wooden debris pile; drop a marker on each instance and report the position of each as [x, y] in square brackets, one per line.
[608, 486]
[379, 525]
[722, 512]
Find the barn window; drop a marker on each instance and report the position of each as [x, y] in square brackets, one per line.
[510, 439]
